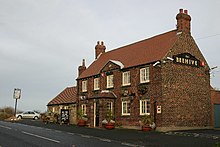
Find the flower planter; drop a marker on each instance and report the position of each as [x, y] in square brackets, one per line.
[81, 123]
[110, 126]
[146, 128]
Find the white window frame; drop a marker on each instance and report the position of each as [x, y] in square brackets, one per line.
[126, 78]
[145, 107]
[84, 86]
[83, 107]
[144, 75]
[53, 109]
[127, 109]
[96, 84]
[110, 83]
[110, 106]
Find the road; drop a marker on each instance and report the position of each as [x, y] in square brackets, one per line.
[21, 135]
[37, 134]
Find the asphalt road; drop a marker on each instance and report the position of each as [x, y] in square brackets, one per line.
[21, 135]
[35, 133]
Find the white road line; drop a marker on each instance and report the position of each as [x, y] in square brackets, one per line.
[104, 139]
[85, 136]
[41, 137]
[128, 144]
[5, 127]
[71, 133]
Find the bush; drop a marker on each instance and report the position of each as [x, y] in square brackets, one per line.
[6, 113]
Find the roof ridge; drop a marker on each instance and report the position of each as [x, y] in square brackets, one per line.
[140, 41]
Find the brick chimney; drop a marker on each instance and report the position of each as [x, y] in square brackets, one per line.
[99, 49]
[82, 68]
[183, 21]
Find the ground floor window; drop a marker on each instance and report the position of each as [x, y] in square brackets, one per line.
[145, 107]
[83, 107]
[109, 106]
[126, 106]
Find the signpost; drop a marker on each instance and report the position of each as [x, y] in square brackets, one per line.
[16, 96]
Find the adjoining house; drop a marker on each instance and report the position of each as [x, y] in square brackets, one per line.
[215, 94]
[165, 76]
[65, 102]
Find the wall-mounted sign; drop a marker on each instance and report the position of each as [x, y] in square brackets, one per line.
[158, 109]
[187, 59]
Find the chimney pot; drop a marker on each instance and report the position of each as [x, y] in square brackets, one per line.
[186, 11]
[102, 43]
[97, 42]
[181, 10]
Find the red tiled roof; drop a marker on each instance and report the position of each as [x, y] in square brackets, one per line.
[139, 53]
[67, 96]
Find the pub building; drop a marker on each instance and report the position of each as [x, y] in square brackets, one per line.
[165, 76]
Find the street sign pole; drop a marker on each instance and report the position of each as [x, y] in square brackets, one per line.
[17, 95]
[16, 101]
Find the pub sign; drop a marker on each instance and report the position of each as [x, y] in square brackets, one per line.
[187, 59]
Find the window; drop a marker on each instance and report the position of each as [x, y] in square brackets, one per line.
[144, 75]
[126, 78]
[96, 84]
[83, 107]
[145, 107]
[126, 107]
[110, 83]
[84, 86]
[109, 106]
[53, 109]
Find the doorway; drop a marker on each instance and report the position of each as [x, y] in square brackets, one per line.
[96, 114]
[217, 115]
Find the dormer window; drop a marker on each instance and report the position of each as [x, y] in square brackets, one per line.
[84, 86]
[96, 84]
[144, 75]
[110, 83]
[126, 80]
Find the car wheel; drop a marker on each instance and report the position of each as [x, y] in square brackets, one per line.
[35, 117]
[19, 117]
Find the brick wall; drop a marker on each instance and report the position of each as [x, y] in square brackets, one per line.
[186, 90]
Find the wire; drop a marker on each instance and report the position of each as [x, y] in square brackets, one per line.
[207, 37]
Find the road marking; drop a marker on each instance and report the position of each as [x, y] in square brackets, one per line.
[85, 136]
[128, 144]
[41, 137]
[104, 139]
[71, 133]
[5, 127]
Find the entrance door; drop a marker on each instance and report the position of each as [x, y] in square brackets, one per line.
[217, 115]
[96, 114]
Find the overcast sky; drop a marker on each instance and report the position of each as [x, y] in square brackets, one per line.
[42, 42]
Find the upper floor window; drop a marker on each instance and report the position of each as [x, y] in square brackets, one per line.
[145, 107]
[110, 83]
[126, 80]
[84, 86]
[144, 75]
[96, 84]
[126, 106]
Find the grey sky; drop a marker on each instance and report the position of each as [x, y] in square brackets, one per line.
[42, 42]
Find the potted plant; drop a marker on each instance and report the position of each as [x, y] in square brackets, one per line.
[109, 122]
[147, 123]
[81, 118]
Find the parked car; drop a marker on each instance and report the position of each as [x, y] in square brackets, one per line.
[28, 114]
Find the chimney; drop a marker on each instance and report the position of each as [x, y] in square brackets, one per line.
[183, 21]
[82, 68]
[99, 49]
